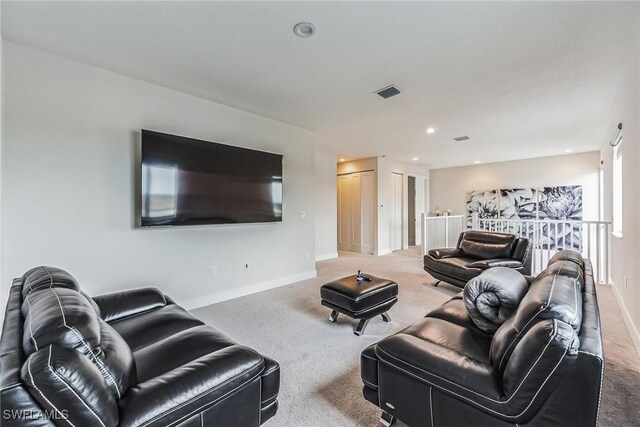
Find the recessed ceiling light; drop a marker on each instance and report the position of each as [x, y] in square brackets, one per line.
[477, 162]
[304, 29]
[568, 150]
[341, 160]
[415, 158]
[431, 130]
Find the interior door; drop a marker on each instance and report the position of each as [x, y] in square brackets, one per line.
[344, 213]
[356, 223]
[411, 201]
[367, 209]
[396, 212]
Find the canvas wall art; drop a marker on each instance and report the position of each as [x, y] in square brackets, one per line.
[531, 203]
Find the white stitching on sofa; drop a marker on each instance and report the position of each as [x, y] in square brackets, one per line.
[53, 371]
[42, 394]
[476, 403]
[33, 339]
[368, 357]
[272, 370]
[500, 402]
[100, 365]
[431, 403]
[553, 285]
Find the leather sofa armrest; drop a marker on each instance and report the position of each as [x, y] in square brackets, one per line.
[119, 305]
[490, 263]
[173, 396]
[445, 253]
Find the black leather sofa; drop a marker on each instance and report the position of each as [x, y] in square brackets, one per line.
[475, 252]
[543, 367]
[131, 358]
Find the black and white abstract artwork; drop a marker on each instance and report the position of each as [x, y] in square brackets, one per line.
[557, 204]
[483, 203]
[561, 203]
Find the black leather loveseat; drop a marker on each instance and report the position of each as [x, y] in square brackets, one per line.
[542, 367]
[475, 252]
[131, 358]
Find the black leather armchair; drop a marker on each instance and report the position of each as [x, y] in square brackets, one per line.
[475, 252]
[542, 367]
[131, 358]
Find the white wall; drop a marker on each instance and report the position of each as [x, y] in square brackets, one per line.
[625, 249]
[69, 138]
[449, 187]
[326, 205]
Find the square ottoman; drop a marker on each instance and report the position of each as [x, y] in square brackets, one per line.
[360, 299]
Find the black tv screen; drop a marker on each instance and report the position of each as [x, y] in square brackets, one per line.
[188, 181]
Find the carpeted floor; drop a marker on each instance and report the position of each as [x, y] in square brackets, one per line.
[320, 361]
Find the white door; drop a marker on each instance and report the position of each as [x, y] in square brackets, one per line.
[396, 212]
[356, 223]
[344, 213]
[367, 206]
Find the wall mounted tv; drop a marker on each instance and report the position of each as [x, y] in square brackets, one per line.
[187, 181]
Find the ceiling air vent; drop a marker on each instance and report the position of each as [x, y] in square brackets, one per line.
[461, 138]
[388, 92]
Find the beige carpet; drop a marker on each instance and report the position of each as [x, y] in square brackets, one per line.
[321, 383]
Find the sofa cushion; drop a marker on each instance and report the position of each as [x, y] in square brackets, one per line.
[154, 325]
[463, 341]
[565, 268]
[64, 382]
[567, 255]
[47, 277]
[59, 316]
[189, 388]
[177, 350]
[453, 267]
[118, 366]
[484, 245]
[553, 296]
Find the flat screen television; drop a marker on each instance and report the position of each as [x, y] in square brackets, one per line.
[188, 181]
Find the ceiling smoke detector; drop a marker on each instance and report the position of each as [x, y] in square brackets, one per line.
[388, 92]
[304, 29]
[461, 138]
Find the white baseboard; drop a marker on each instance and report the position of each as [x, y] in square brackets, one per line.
[633, 331]
[330, 255]
[383, 252]
[229, 294]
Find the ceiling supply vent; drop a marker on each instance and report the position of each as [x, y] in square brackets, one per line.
[388, 92]
[461, 138]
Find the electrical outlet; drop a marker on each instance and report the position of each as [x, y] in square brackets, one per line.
[303, 214]
[213, 271]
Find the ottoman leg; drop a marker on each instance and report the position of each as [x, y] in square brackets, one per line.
[386, 317]
[333, 316]
[386, 419]
[359, 330]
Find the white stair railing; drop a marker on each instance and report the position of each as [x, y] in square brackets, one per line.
[441, 231]
[590, 238]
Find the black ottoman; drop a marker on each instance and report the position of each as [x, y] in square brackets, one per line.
[362, 300]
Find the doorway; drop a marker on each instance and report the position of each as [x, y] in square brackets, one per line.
[411, 202]
[396, 211]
